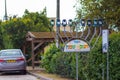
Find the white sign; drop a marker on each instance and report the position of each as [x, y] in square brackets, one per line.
[105, 34]
[77, 46]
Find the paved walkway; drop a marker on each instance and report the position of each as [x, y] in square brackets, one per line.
[36, 72]
[41, 75]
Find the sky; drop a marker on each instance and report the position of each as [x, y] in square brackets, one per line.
[17, 7]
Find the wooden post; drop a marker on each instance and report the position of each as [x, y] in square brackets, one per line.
[24, 49]
[33, 59]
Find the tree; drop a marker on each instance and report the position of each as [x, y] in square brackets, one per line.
[36, 21]
[107, 9]
[13, 31]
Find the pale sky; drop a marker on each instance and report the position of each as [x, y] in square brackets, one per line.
[17, 7]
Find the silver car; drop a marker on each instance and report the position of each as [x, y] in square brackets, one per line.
[12, 60]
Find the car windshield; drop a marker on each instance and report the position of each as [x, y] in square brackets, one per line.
[10, 53]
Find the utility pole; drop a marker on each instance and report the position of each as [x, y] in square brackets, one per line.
[58, 18]
[5, 17]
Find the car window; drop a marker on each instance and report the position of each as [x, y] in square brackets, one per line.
[10, 53]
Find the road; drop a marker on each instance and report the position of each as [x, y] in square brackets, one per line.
[17, 77]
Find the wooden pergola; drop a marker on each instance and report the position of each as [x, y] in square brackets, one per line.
[37, 40]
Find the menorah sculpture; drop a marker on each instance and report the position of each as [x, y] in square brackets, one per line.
[83, 31]
[80, 39]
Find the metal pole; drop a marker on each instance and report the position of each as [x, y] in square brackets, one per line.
[58, 9]
[107, 65]
[103, 74]
[57, 28]
[77, 30]
[5, 17]
[77, 52]
[76, 66]
[103, 71]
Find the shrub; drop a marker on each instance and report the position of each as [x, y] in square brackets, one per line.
[92, 66]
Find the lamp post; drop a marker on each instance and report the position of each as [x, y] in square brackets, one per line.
[57, 21]
[5, 17]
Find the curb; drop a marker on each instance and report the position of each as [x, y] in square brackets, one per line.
[39, 76]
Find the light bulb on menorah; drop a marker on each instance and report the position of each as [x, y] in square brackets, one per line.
[79, 39]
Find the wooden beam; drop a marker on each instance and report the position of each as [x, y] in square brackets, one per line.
[43, 39]
[31, 57]
[38, 46]
[24, 49]
[29, 39]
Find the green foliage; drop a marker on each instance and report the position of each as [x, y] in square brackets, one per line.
[47, 58]
[13, 31]
[114, 56]
[36, 21]
[92, 66]
[57, 62]
[5, 39]
[107, 9]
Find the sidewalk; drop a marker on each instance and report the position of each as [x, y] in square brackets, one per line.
[42, 75]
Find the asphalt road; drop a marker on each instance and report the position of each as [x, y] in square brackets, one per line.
[17, 77]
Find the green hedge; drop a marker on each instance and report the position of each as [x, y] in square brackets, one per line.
[92, 66]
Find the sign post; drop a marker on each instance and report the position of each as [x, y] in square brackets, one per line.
[105, 41]
[76, 65]
[105, 34]
[77, 45]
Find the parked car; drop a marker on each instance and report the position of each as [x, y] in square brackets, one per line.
[12, 60]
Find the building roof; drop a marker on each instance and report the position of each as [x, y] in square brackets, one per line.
[48, 34]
